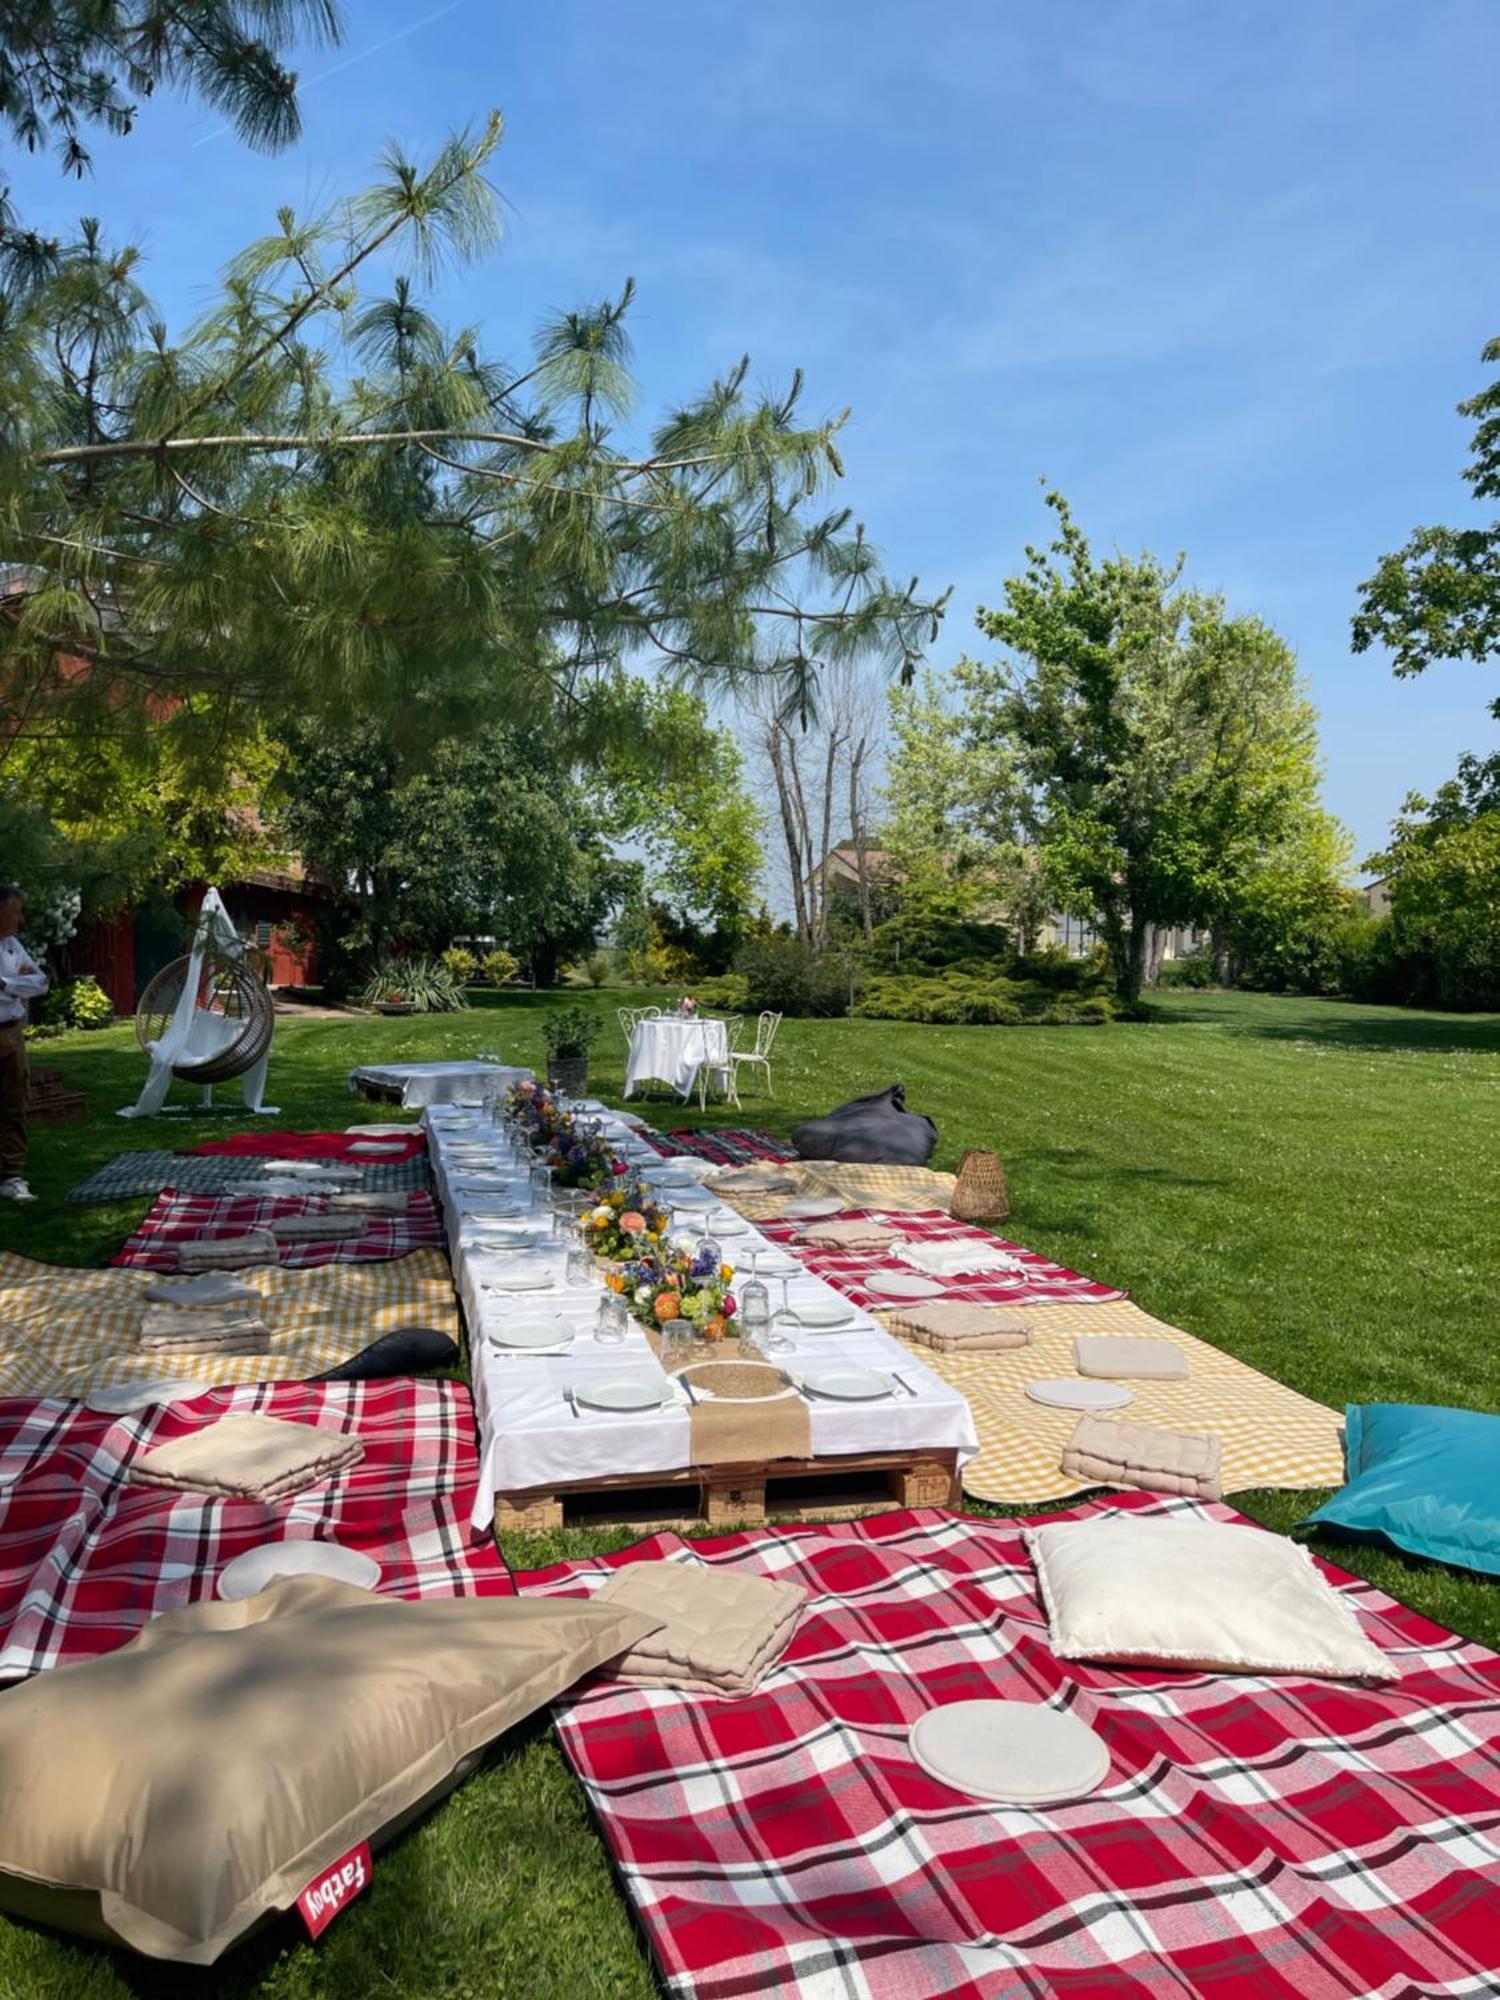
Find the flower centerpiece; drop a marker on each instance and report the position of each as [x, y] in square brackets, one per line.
[689, 1005]
[668, 1283]
[626, 1224]
[577, 1159]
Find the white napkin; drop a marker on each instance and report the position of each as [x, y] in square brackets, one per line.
[954, 1260]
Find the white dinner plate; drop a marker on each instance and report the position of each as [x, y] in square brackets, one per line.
[728, 1224]
[469, 1183]
[313, 1170]
[1078, 1393]
[522, 1279]
[848, 1385]
[673, 1177]
[257, 1567]
[531, 1329]
[897, 1285]
[620, 1392]
[815, 1205]
[378, 1149]
[128, 1396]
[504, 1246]
[1017, 1752]
[773, 1264]
[690, 1197]
[821, 1313]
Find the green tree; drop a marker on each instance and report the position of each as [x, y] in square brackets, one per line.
[69, 64]
[1137, 712]
[1438, 597]
[677, 788]
[490, 835]
[317, 503]
[1295, 922]
[1443, 869]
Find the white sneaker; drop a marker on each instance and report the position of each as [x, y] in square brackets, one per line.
[15, 1189]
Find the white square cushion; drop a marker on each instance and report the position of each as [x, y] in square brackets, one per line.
[1205, 1594]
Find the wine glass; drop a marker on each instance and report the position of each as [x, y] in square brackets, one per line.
[781, 1334]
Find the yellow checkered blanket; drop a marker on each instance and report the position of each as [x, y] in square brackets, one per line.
[66, 1332]
[1271, 1436]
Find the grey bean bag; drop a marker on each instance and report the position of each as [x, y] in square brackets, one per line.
[406, 1350]
[870, 1131]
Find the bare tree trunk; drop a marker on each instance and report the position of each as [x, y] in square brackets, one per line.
[1219, 945]
[858, 752]
[1156, 949]
[777, 750]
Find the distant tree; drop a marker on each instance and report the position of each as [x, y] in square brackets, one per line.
[1443, 870]
[488, 836]
[1438, 598]
[1295, 921]
[1136, 711]
[677, 788]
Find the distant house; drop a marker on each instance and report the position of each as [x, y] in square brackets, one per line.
[1376, 896]
[273, 909]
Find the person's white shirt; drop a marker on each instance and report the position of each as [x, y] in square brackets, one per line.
[24, 980]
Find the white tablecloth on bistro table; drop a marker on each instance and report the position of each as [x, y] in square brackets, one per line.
[672, 1048]
[435, 1082]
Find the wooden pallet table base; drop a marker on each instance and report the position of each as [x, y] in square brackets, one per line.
[734, 1496]
[48, 1103]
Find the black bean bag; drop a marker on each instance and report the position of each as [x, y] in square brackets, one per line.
[870, 1131]
[406, 1350]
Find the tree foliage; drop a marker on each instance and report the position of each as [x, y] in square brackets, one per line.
[1443, 870]
[1438, 597]
[68, 64]
[318, 502]
[1161, 741]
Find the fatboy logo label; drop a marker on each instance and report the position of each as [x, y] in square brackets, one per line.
[321, 1901]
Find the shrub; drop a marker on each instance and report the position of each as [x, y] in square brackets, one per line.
[596, 968]
[74, 1003]
[570, 1032]
[461, 966]
[499, 967]
[728, 991]
[955, 999]
[787, 977]
[921, 942]
[1194, 970]
[425, 982]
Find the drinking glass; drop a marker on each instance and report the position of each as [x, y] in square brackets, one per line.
[781, 1334]
[613, 1321]
[580, 1267]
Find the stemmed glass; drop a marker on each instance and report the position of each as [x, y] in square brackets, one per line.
[781, 1334]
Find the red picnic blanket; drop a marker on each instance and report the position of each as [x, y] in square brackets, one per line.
[86, 1559]
[175, 1218]
[1038, 1282]
[1255, 1839]
[317, 1146]
[723, 1149]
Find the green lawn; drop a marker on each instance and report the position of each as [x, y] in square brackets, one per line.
[1310, 1185]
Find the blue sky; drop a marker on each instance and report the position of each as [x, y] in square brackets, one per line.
[1219, 271]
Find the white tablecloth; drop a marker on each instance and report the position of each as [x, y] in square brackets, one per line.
[435, 1082]
[530, 1436]
[672, 1048]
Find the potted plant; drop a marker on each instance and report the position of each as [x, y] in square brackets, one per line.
[393, 1001]
[570, 1032]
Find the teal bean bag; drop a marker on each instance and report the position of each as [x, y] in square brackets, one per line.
[1424, 1479]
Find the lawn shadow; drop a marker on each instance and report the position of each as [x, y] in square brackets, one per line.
[1341, 1024]
[1080, 1164]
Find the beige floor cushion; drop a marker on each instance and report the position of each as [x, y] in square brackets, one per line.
[176, 1794]
[1196, 1594]
[720, 1631]
[1129, 1360]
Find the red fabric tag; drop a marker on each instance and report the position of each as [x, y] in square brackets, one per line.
[323, 1898]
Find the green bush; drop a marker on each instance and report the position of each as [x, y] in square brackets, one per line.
[960, 1000]
[74, 1003]
[1195, 970]
[920, 943]
[425, 982]
[596, 968]
[570, 1032]
[729, 993]
[785, 976]
[499, 967]
[461, 966]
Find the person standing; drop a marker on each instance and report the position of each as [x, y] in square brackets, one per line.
[21, 980]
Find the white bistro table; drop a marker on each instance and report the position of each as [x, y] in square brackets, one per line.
[435, 1082]
[672, 1048]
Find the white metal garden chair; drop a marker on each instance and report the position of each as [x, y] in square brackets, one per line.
[765, 1036]
[721, 1075]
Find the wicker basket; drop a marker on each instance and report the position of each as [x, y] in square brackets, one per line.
[981, 1194]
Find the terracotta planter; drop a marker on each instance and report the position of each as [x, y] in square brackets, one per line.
[394, 1007]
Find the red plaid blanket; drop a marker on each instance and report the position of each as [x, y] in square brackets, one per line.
[723, 1149]
[174, 1218]
[1039, 1282]
[86, 1560]
[312, 1146]
[1255, 1839]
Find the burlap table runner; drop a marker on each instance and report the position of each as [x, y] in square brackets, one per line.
[730, 1429]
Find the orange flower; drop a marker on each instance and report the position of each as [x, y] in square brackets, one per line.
[630, 1221]
[616, 1281]
[714, 1329]
[668, 1306]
